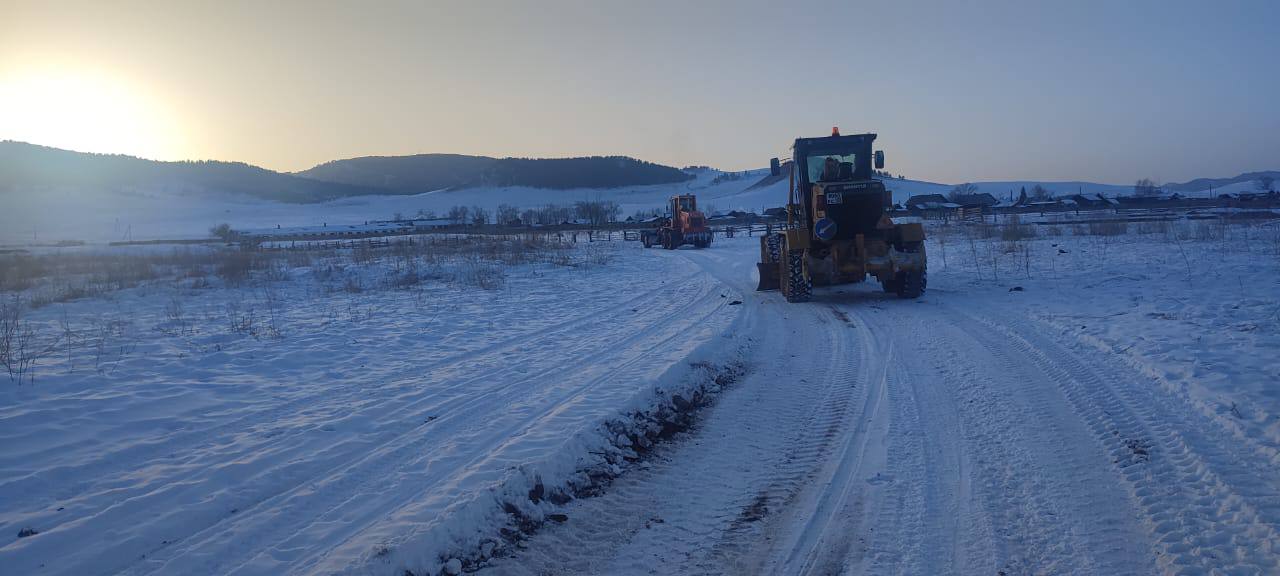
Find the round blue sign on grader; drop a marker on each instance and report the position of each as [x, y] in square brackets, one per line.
[825, 228]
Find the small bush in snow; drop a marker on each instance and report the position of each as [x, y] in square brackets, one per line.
[1108, 228]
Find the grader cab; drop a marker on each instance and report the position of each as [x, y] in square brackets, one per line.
[838, 229]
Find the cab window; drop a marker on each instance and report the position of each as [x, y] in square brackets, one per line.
[816, 164]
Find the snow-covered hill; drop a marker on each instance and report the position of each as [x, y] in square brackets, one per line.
[111, 211]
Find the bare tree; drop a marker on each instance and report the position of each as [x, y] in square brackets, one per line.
[1264, 182]
[506, 214]
[458, 214]
[1040, 193]
[598, 212]
[962, 190]
[223, 231]
[1146, 188]
[479, 215]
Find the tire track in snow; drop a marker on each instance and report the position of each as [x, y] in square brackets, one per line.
[1072, 517]
[819, 540]
[1200, 521]
[701, 505]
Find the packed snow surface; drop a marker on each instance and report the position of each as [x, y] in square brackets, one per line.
[1073, 402]
[1073, 405]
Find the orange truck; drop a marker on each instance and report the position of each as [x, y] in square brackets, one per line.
[684, 225]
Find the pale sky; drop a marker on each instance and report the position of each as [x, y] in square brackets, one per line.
[958, 91]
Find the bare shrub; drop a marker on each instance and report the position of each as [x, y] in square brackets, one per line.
[597, 255]
[234, 267]
[21, 343]
[1099, 228]
[10, 316]
[483, 275]
[983, 230]
[363, 253]
[241, 320]
[1207, 230]
[1154, 227]
[112, 341]
[19, 271]
[175, 313]
[353, 285]
[300, 258]
[275, 313]
[1014, 230]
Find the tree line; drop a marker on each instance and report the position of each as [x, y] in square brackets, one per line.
[593, 212]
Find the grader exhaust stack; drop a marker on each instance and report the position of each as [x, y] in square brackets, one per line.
[838, 229]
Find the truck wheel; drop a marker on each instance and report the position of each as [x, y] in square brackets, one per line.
[648, 242]
[912, 284]
[798, 286]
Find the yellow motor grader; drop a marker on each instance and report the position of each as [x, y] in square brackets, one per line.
[838, 229]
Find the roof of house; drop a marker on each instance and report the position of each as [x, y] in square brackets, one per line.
[922, 199]
[979, 199]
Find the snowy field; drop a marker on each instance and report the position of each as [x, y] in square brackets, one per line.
[322, 417]
[1091, 399]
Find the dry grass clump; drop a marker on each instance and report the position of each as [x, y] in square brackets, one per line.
[1102, 228]
[1013, 230]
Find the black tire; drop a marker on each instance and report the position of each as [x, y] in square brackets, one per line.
[647, 240]
[891, 286]
[799, 288]
[774, 244]
[913, 284]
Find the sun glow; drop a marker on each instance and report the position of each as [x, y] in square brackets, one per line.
[87, 111]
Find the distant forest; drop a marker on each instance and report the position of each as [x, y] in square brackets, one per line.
[427, 172]
[590, 172]
[31, 166]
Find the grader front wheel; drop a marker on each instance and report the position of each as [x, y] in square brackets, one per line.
[796, 286]
[768, 268]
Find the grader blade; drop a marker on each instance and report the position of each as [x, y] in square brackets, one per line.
[769, 277]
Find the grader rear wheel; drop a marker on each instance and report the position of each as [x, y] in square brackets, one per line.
[912, 284]
[890, 286]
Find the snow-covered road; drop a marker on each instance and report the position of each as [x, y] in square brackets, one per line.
[954, 435]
